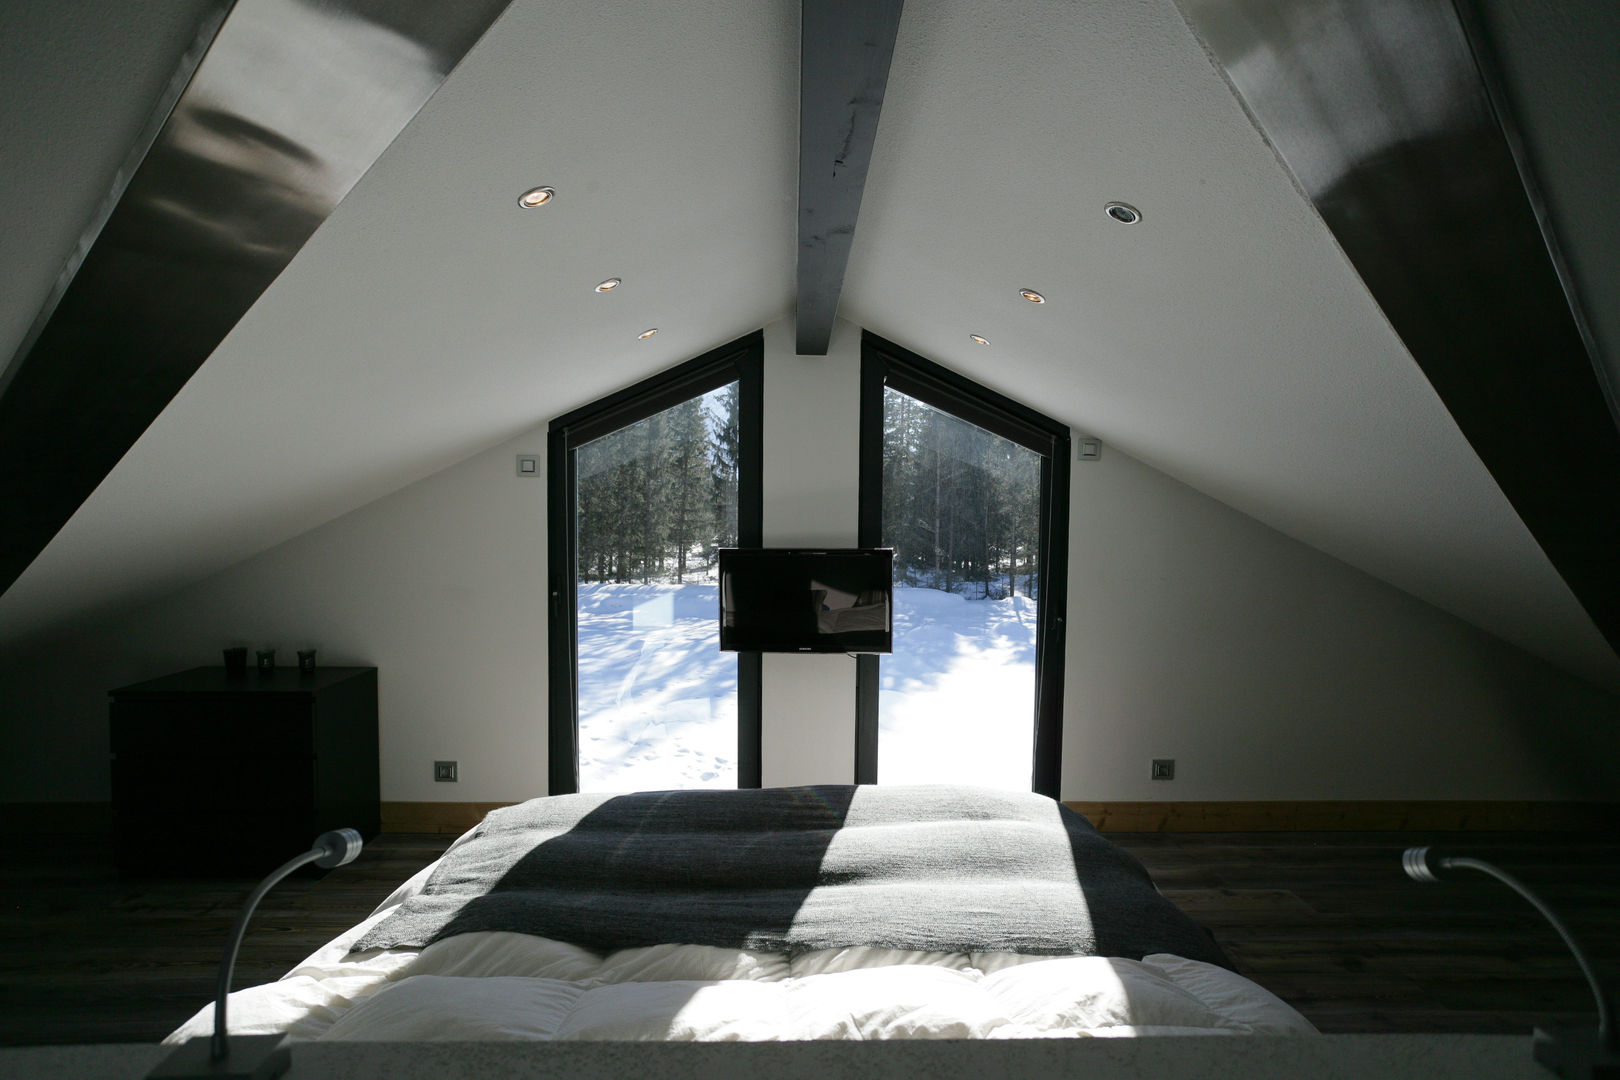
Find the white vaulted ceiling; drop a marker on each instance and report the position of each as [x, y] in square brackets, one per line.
[1223, 339]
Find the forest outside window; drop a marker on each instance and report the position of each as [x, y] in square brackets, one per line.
[970, 489]
[645, 486]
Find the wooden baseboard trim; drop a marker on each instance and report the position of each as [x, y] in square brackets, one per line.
[1228, 816]
[95, 818]
[1350, 815]
[434, 817]
[60, 818]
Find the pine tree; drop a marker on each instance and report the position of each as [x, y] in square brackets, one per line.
[960, 504]
[688, 469]
[726, 466]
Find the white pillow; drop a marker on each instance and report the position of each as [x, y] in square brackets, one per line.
[447, 1008]
[1239, 1002]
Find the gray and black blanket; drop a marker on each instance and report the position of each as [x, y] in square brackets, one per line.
[937, 868]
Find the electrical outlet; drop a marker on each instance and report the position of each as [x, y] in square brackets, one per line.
[444, 771]
[1164, 768]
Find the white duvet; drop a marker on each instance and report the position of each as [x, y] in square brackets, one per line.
[513, 986]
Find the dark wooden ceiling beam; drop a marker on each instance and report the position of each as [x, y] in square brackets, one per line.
[223, 191]
[1383, 110]
[845, 51]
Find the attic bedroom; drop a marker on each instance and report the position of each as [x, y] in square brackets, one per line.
[1316, 302]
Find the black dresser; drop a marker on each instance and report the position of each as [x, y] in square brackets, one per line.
[233, 775]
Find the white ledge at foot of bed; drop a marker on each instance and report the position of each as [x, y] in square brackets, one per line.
[1335, 1057]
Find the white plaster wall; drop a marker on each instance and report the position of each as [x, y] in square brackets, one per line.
[812, 466]
[441, 586]
[1268, 670]
[1265, 668]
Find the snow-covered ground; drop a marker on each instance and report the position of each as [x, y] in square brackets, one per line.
[956, 702]
[657, 697]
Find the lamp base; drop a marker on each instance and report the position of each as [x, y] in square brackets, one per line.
[1575, 1053]
[249, 1057]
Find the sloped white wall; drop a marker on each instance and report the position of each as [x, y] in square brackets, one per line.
[1270, 671]
[440, 585]
[1266, 669]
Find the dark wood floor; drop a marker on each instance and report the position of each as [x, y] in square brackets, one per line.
[1325, 920]
[1330, 923]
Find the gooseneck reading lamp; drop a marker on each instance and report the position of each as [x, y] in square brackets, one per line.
[250, 1057]
[1578, 1053]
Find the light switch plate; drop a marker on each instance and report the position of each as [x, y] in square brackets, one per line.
[528, 464]
[1088, 449]
[1164, 768]
[444, 772]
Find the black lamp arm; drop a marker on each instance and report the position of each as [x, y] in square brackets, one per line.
[331, 849]
[1606, 1032]
[234, 942]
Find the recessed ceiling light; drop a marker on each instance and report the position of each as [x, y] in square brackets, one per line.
[979, 340]
[536, 197]
[609, 285]
[1123, 213]
[1032, 296]
[645, 334]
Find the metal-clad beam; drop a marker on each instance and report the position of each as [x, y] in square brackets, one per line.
[845, 51]
[1382, 110]
[276, 114]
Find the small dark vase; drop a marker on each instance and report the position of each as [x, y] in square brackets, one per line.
[236, 662]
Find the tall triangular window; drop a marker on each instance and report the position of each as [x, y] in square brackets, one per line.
[645, 487]
[970, 489]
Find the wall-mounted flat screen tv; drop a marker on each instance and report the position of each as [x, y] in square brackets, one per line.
[807, 600]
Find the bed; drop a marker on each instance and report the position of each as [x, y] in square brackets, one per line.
[826, 912]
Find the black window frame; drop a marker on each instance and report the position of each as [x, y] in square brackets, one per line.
[884, 363]
[741, 361]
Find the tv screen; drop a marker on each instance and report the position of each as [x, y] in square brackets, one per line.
[807, 600]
